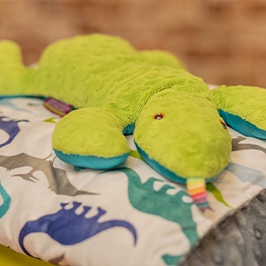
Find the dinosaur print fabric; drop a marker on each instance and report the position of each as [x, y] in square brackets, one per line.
[130, 215]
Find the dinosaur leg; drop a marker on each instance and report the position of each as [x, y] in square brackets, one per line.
[243, 108]
[91, 138]
[11, 68]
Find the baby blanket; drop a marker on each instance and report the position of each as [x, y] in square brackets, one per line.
[130, 215]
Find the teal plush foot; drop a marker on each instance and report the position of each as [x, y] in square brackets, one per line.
[90, 138]
[243, 108]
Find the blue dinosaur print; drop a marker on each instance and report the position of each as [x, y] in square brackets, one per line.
[10, 127]
[247, 174]
[68, 228]
[6, 201]
[6, 101]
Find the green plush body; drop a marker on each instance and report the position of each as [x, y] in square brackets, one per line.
[178, 128]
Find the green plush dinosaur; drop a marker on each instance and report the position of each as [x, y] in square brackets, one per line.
[178, 123]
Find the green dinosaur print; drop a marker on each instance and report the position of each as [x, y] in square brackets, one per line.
[171, 260]
[209, 186]
[6, 201]
[146, 199]
[135, 154]
[217, 194]
[50, 120]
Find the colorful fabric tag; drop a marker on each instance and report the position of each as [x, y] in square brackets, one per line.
[57, 107]
[197, 190]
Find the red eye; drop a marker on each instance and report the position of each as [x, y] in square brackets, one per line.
[223, 123]
[158, 116]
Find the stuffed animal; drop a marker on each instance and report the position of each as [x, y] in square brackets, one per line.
[179, 124]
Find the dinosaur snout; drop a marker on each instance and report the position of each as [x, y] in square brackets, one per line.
[182, 136]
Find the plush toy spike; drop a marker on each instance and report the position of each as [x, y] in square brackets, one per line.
[197, 190]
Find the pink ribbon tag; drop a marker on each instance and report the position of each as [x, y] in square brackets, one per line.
[57, 107]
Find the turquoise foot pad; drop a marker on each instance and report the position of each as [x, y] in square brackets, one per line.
[93, 162]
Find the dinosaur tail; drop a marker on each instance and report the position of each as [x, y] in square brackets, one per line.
[26, 230]
[12, 69]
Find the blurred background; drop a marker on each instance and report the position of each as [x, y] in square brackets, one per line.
[223, 41]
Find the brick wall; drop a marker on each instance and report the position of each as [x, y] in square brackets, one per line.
[223, 41]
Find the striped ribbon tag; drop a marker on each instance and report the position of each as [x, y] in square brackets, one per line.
[57, 107]
[197, 190]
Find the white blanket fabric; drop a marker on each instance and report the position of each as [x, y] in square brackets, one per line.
[127, 216]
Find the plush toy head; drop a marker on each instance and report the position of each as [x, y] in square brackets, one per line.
[183, 136]
[119, 90]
